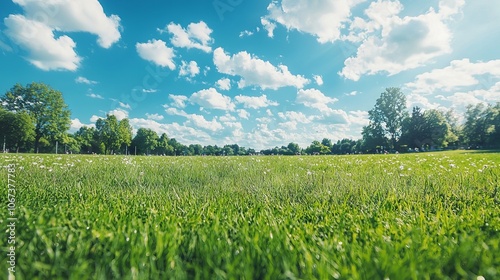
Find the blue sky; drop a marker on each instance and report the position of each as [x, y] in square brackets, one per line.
[256, 73]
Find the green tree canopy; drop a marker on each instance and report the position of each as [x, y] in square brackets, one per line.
[16, 129]
[46, 107]
[145, 140]
[389, 113]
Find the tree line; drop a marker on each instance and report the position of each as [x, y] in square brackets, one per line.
[35, 118]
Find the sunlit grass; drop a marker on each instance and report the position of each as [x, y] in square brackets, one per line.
[417, 216]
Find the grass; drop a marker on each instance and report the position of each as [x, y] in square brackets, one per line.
[416, 216]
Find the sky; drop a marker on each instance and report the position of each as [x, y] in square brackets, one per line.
[256, 73]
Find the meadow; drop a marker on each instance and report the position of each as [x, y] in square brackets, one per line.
[407, 216]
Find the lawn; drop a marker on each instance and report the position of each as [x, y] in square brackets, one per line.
[407, 216]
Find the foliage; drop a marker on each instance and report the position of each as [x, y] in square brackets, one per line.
[388, 114]
[414, 216]
[146, 140]
[46, 107]
[16, 129]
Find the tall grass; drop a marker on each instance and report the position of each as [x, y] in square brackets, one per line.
[420, 216]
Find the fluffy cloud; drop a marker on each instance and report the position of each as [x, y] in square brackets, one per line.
[119, 113]
[190, 69]
[76, 124]
[75, 16]
[210, 98]
[201, 122]
[318, 79]
[254, 71]
[459, 74]
[156, 51]
[321, 18]
[124, 105]
[94, 95]
[83, 80]
[242, 113]
[224, 84]
[45, 51]
[196, 35]
[294, 116]
[393, 44]
[34, 31]
[178, 101]
[314, 98]
[255, 102]
[156, 117]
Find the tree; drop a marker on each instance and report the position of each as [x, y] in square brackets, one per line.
[145, 140]
[389, 113]
[317, 148]
[162, 147]
[108, 133]
[45, 106]
[413, 129]
[373, 137]
[87, 139]
[294, 148]
[16, 129]
[125, 133]
[475, 125]
[436, 129]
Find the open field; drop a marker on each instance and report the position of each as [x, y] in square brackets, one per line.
[415, 216]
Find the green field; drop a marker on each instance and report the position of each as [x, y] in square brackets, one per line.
[415, 216]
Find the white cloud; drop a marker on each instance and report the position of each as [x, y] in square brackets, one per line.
[94, 95]
[352, 93]
[178, 101]
[359, 118]
[459, 74]
[119, 113]
[149, 90]
[201, 122]
[94, 118]
[76, 124]
[156, 51]
[245, 33]
[393, 44]
[227, 118]
[321, 18]
[242, 113]
[174, 111]
[224, 84]
[255, 102]
[197, 35]
[125, 105]
[314, 98]
[254, 71]
[269, 26]
[318, 79]
[190, 69]
[297, 117]
[45, 51]
[210, 98]
[75, 16]
[83, 80]
[34, 31]
[156, 117]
